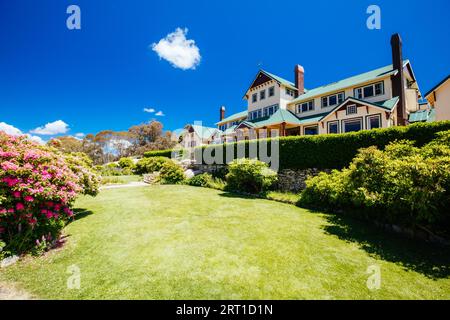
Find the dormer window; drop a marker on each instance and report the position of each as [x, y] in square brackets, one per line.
[262, 95]
[271, 91]
[351, 109]
[254, 97]
[290, 92]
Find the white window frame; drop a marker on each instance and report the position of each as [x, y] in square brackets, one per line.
[351, 106]
[311, 106]
[361, 90]
[369, 127]
[336, 122]
[352, 120]
[322, 99]
[262, 94]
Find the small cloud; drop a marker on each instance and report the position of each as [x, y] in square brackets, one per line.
[179, 51]
[35, 138]
[160, 114]
[52, 128]
[149, 110]
[79, 135]
[9, 129]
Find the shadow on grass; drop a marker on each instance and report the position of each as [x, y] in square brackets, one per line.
[238, 195]
[80, 213]
[428, 259]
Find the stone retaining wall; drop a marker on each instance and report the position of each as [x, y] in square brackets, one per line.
[294, 180]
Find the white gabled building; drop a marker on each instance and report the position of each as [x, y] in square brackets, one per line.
[380, 98]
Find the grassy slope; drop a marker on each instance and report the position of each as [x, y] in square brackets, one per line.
[107, 180]
[179, 242]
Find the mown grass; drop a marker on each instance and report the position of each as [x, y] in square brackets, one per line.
[181, 242]
[108, 180]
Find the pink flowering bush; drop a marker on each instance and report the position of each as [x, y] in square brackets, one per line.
[38, 185]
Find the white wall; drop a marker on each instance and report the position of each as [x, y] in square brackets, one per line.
[442, 103]
[280, 97]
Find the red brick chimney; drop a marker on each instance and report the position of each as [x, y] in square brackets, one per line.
[222, 113]
[300, 79]
[398, 80]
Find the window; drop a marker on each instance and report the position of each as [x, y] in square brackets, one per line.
[333, 127]
[262, 95]
[271, 91]
[259, 113]
[352, 109]
[223, 127]
[290, 92]
[310, 131]
[351, 125]
[305, 106]
[254, 97]
[374, 122]
[333, 99]
[371, 90]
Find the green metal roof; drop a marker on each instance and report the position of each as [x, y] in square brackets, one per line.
[422, 116]
[230, 130]
[204, 132]
[284, 82]
[388, 104]
[279, 117]
[349, 82]
[233, 117]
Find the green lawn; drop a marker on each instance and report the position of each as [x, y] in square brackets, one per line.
[180, 242]
[108, 180]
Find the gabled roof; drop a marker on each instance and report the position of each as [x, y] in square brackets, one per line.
[276, 78]
[387, 105]
[349, 82]
[281, 116]
[437, 86]
[203, 132]
[234, 117]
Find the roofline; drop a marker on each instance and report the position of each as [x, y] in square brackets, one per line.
[268, 75]
[242, 117]
[437, 86]
[359, 101]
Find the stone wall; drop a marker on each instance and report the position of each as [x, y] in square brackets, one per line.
[294, 180]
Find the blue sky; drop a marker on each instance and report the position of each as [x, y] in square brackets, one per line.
[104, 75]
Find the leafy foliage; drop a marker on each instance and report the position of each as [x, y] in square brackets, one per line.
[149, 165]
[402, 184]
[201, 180]
[250, 175]
[171, 173]
[126, 163]
[38, 185]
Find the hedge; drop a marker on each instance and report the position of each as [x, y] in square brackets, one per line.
[158, 153]
[332, 151]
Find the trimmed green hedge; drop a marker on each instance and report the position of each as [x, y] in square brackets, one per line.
[158, 153]
[334, 151]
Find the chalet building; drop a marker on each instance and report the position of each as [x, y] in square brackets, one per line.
[439, 99]
[380, 98]
[194, 135]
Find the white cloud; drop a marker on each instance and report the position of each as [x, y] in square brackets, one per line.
[52, 128]
[179, 51]
[35, 138]
[79, 135]
[149, 110]
[9, 129]
[13, 131]
[160, 114]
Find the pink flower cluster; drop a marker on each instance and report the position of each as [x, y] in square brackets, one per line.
[39, 184]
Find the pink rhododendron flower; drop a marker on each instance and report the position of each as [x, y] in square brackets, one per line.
[29, 199]
[20, 206]
[16, 194]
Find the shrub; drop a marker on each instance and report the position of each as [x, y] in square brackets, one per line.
[126, 163]
[250, 175]
[149, 165]
[38, 185]
[201, 180]
[171, 173]
[403, 184]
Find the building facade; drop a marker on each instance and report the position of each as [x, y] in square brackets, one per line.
[381, 98]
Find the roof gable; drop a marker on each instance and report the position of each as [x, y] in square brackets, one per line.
[264, 76]
[437, 86]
